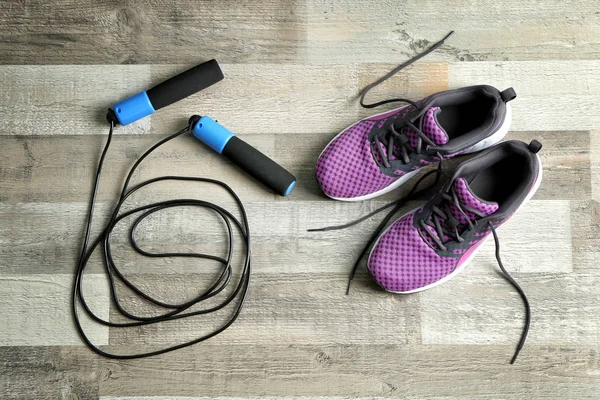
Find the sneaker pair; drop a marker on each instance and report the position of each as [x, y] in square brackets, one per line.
[431, 244]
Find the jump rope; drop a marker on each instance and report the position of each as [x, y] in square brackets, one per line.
[218, 138]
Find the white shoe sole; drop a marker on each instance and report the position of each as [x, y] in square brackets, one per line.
[462, 266]
[484, 144]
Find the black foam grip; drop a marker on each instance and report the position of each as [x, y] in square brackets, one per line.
[261, 167]
[185, 84]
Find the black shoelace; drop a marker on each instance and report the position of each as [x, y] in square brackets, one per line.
[397, 204]
[396, 144]
[392, 149]
[448, 228]
[225, 277]
[395, 140]
[394, 72]
[444, 223]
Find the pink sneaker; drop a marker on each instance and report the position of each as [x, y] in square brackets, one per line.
[380, 153]
[430, 245]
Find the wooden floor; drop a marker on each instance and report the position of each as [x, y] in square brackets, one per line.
[293, 70]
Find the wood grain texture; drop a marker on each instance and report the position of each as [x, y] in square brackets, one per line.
[585, 228]
[312, 301]
[72, 105]
[114, 32]
[278, 248]
[294, 70]
[402, 371]
[391, 31]
[67, 99]
[490, 311]
[34, 310]
[31, 176]
[49, 373]
[29, 171]
[42, 239]
[538, 249]
[595, 163]
[142, 32]
[230, 398]
[336, 371]
[75, 98]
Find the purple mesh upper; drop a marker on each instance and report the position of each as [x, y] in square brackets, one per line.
[402, 261]
[466, 197]
[431, 128]
[346, 168]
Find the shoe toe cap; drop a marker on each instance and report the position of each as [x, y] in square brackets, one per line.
[346, 168]
[402, 262]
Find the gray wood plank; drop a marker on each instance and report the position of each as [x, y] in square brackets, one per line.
[387, 32]
[54, 245]
[585, 235]
[131, 32]
[320, 99]
[35, 310]
[67, 99]
[42, 238]
[61, 169]
[73, 99]
[281, 244]
[487, 310]
[30, 171]
[337, 371]
[49, 373]
[529, 240]
[232, 398]
[291, 308]
[272, 98]
[404, 371]
[138, 32]
[595, 163]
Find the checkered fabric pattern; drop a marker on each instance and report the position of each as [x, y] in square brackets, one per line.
[346, 168]
[402, 261]
[430, 128]
[466, 197]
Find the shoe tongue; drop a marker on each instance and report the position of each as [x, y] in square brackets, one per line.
[430, 127]
[467, 198]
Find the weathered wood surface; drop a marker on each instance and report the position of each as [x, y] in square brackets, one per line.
[28, 171]
[72, 99]
[284, 31]
[293, 73]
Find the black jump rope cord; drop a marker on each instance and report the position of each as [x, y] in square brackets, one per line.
[173, 311]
